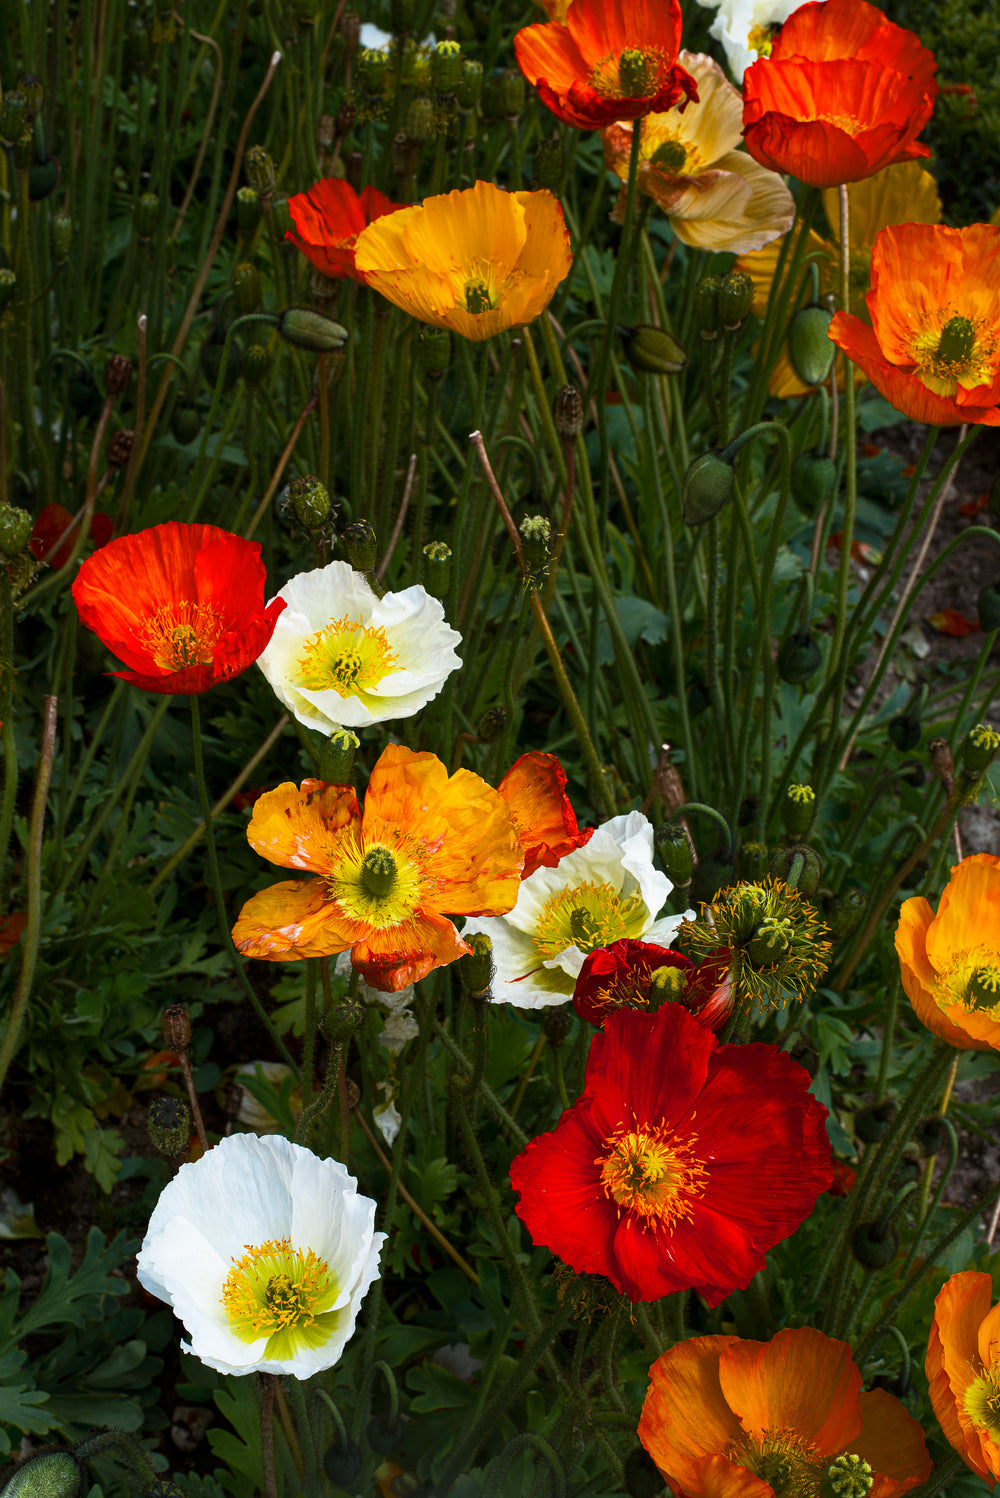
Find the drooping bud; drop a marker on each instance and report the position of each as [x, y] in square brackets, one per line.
[176, 1023]
[43, 177]
[652, 350]
[845, 911]
[706, 307]
[708, 487]
[385, 1435]
[798, 810]
[799, 866]
[305, 328]
[258, 164]
[247, 291]
[13, 116]
[491, 724]
[871, 1121]
[146, 215]
[117, 374]
[799, 657]
[343, 1463]
[905, 731]
[60, 236]
[437, 568]
[813, 478]
[754, 861]
[336, 760]
[547, 168]
[119, 449]
[185, 423]
[979, 748]
[309, 501]
[874, 1246]
[168, 1125]
[446, 67]
[476, 968]
[735, 299]
[536, 542]
[934, 1133]
[809, 347]
[673, 849]
[471, 85]
[48, 1474]
[360, 546]
[433, 350]
[248, 209]
[8, 285]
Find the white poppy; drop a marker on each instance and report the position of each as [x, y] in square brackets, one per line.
[265, 1252]
[742, 27]
[606, 890]
[342, 657]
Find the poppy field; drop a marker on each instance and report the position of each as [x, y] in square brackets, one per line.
[500, 715]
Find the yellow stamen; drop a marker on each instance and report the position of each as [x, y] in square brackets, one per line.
[183, 634]
[360, 884]
[346, 657]
[588, 916]
[953, 350]
[282, 1293]
[651, 1172]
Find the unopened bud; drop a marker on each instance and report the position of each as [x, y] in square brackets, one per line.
[49, 1474]
[755, 859]
[433, 350]
[360, 546]
[13, 116]
[536, 542]
[437, 568]
[176, 1023]
[336, 760]
[185, 423]
[799, 657]
[873, 1245]
[673, 849]
[305, 328]
[343, 1463]
[476, 968]
[168, 1125]
[905, 731]
[60, 236]
[15, 530]
[512, 90]
[119, 448]
[871, 1121]
[557, 1021]
[708, 487]
[247, 291]
[373, 72]
[813, 478]
[248, 209]
[420, 120]
[43, 177]
[798, 810]
[8, 285]
[491, 724]
[798, 866]
[446, 67]
[567, 413]
[343, 1019]
[146, 215]
[652, 350]
[255, 361]
[735, 299]
[258, 164]
[845, 911]
[549, 161]
[809, 347]
[706, 307]
[385, 1435]
[309, 501]
[979, 748]
[471, 85]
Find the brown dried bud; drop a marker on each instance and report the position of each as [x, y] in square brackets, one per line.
[120, 448]
[344, 119]
[354, 164]
[176, 1024]
[117, 373]
[567, 412]
[942, 763]
[350, 30]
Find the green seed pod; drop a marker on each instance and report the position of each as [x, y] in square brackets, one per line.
[871, 1122]
[146, 215]
[247, 293]
[813, 478]
[309, 501]
[979, 748]
[433, 351]
[988, 605]
[754, 861]
[248, 209]
[799, 866]
[848, 1476]
[420, 120]
[471, 85]
[336, 760]
[360, 546]
[567, 413]
[8, 285]
[258, 164]
[735, 299]
[491, 724]
[845, 911]
[60, 237]
[47, 1474]
[13, 117]
[798, 810]
[255, 361]
[809, 347]
[706, 307]
[43, 178]
[536, 542]
[344, 1019]
[305, 328]
[674, 852]
[476, 968]
[15, 530]
[185, 423]
[512, 91]
[652, 350]
[799, 657]
[168, 1125]
[557, 1021]
[547, 168]
[437, 568]
[708, 487]
[446, 67]
[905, 732]
[373, 72]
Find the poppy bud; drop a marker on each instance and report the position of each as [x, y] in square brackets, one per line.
[385, 1435]
[255, 361]
[437, 568]
[346, 1016]
[13, 116]
[305, 328]
[933, 1134]
[119, 449]
[557, 1021]
[799, 866]
[248, 209]
[988, 605]
[176, 1023]
[309, 501]
[798, 810]
[47, 1474]
[708, 487]
[735, 299]
[336, 760]
[8, 285]
[652, 350]
[512, 90]
[799, 657]
[343, 1462]
[491, 724]
[43, 177]
[813, 478]
[845, 911]
[905, 731]
[536, 542]
[754, 861]
[446, 67]
[476, 968]
[547, 169]
[168, 1125]
[706, 307]
[145, 215]
[15, 530]
[871, 1122]
[185, 423]
[420, 120]
[258, 164]
[471, 85]
[809, 347]
[360, 546]
[433, 349]
[117, 373]
[60, 236]
[31, 86]
[979, 748]
[674, 852]
[373, 72]
[246, 287]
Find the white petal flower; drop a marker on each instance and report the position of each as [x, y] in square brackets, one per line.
[343, 657]
[597, 894]
[738, 19]
[265, 1252]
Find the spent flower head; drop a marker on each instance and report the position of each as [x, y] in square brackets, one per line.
[776, 939]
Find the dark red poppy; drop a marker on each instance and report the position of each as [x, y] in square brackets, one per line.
[182, 605]
[53, 523]
[621, 977]
[329, 218]
[682, 1162]
[534, 789]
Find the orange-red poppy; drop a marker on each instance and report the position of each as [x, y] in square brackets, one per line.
[728, 1418]
[477, 262]
[950, 962]
[843, 94]
[963, 1370]
[933, 349]
[610, 60]
[427, 845]
[328, 219]
[534, 789]
[182, 605]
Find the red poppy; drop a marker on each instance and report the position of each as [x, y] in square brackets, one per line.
[621, 977]
[47, 544]
[329, 218]
[843, 94]
[11, 930]
[655, 1178]
[534, 789]
[952, 622]
[182, 605]
[844, 1177]
[612, 60]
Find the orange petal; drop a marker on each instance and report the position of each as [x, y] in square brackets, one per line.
[292, 920]
[961, 1306]
[968, 913]
[534, 789]
[392, 959]
[296, 827]
[892, 1443]
[800, 1381]
[685, 1418]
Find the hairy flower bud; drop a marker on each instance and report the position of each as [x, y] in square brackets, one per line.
[305, 328]
[185, 423]
[735, 299]
[652, 350]
[437, 568]
[47, 1474]
[491, 724]
[706, 307]
[258, 164]
[248, 209]
[708, 487]
[905, 731]
[15, 530]
[874, 1246]
[309, 501]
[476, 968]
[176, 1023]
[813, 478]
[809, 346]
[548, 164]
[567, 412]
[247, 291]
[336, 760]
[360, 546]
[674, 852]
[799, 657]
[343, 1463]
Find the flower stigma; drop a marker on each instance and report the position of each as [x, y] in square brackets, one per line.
[282, 1293]
[761, 39]
[478, 297]
[346, 657]
[638, 72]
[952, 351]
[588, 916]
[671, 156]
[652, 1173]
[183, 634]
[376, 885]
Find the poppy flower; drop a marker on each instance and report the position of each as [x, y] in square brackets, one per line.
[843, 93]
[770, 936]
[328, 219]
[621, 977]
[265, 1253]
[595, 895]
[47, 541]
[747, 28]
[654, 1178]
[534, 789]
[610, 60]
[342, 657]
[950, 962]
[714, 196]
[427, 843]
[933, 348]
[477, 262]
[729, 1418]
[963, 1370]
[182, 605]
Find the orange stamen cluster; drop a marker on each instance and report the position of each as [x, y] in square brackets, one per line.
[651, 1172]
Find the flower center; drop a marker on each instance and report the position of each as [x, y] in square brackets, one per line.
[282, 1293]
[954, 350]
[761, 39]
[376, 886]
[984, 987]
[972, 981]
[478, 296]
[378, 873]
[346, 657]
[588, 916]
[671, 156]
[633, 74]
[849, 123]
[782, 1460]
[651, 1172]
[982, 1400]
[183, 634]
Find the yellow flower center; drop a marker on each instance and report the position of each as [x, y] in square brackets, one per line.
[376, 885]
[760, 39]
[633, 74]
[183, 634]
[479, 297]
[953, 350]
[972, 981]
[671, 156]
[282, 1293]
[849, 123]
[982, 1400]
[651, 1172]
[346, 657]
[782, 1460]
[588, 916]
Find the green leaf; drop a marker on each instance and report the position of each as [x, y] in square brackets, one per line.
[70, 1300]
[239, 1448]
[19, 1401]
[437, 1389]
[101, 1150]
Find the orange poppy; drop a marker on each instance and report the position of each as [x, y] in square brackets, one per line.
[329, 218]
[477, 262]
[843, 94]
[534, 789]
[950, 962]
[963, 1370]
[425, 844]
[727, 1418]
[933, 349]
[181, 604]
[610, 60]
